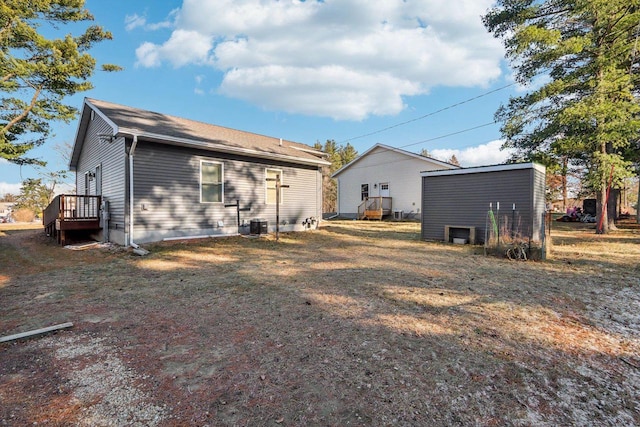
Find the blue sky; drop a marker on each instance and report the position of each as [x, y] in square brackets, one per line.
[305, 71]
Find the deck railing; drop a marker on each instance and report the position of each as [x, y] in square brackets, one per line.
[71, 207]
[380, 205]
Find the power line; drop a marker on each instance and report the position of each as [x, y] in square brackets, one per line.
[430, 114]
[449, 134]
[421, 142]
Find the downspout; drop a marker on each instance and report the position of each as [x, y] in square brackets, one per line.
[131, 153]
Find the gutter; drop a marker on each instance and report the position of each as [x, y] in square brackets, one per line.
[132, 151]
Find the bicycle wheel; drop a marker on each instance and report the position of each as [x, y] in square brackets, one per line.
[522, 255]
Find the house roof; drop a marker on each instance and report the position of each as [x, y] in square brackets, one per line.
[429, 160]
[483, 169]
[156, 127]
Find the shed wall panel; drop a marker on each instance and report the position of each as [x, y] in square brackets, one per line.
[464, 200]
[539, 203]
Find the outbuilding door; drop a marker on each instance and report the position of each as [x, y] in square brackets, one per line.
[384, 189]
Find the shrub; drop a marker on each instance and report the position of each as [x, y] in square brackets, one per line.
[23, 215]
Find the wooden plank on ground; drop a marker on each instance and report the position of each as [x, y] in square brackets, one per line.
[36, 332]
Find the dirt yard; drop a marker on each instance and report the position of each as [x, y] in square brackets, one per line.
[359, 323]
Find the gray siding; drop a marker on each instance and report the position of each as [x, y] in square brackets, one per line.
[167, 193]
[112, 159]
[539, 204]
[463, 200]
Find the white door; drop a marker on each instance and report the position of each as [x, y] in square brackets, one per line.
[384, 189]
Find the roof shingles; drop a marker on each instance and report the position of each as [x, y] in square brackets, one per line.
[143, 122]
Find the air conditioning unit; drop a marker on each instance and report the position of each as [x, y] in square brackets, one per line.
[397, 215]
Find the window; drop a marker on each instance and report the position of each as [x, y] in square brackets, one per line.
[211, 182]
[364, 191]
[272, 175]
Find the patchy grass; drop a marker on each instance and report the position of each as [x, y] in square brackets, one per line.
[17, 226]
[359, 323]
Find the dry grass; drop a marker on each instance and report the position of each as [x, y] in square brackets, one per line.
[360, 323]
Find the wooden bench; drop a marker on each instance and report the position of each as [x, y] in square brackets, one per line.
[472, 232]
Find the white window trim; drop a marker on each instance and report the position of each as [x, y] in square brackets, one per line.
[221, 177]
[98, 179]
[87, 184]
[266, 186]
[362, 197]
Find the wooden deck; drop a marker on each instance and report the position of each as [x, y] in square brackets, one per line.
[68, 212]
[374, 208]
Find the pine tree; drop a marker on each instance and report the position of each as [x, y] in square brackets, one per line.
[454, 160]
[37, 72]
[585, 51]
[338, 156]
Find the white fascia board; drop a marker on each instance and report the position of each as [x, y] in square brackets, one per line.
[103, 116]
[83, 124]
[220, 147]
[397, 150]
[356, 160]
[482, 169]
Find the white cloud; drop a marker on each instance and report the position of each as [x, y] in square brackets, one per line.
[328, 91]
[148, 55]
[9, 188]
[134, 21]
[184, 47]
[159, 25]
[346, 59]
[481, 155]
[199, 79]
[65, 188]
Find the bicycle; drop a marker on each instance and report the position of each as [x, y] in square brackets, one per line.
[517, 251]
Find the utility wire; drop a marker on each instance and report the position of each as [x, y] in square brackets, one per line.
[430, 114]
[449, 134]
[420, 142]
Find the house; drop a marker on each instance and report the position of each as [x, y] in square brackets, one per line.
[5, 211]
[456, 203]
[381, 181]
[146, 176]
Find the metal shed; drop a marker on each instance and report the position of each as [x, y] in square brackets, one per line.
[456, 203]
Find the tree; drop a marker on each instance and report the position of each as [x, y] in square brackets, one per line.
[453, 160]
[37, 72]
[347, 155]
[586, 109]
[425, 153]
[338, 156]
[34, 195]
[8, 198]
